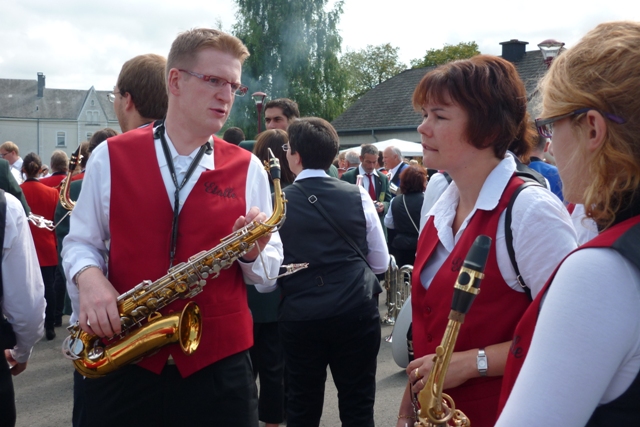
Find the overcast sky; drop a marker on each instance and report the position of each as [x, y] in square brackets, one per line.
[78, 43]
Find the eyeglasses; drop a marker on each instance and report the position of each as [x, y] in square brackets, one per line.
[285, 147]
[236, 88]
[545, 126]
[112, 96]
[4, 154]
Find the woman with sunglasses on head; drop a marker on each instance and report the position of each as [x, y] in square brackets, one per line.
[575, 358]
[473, 110]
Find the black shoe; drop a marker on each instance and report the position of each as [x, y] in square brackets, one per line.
[58, 323]
[50, 333]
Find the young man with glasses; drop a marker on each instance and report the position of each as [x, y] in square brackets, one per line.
[150, 192]
[11, 153]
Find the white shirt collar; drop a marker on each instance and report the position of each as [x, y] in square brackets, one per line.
[444, 210]
[311, 173]
[394, 170]
[206, 161]
[363, 173]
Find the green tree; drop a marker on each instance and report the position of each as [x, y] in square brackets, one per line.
[448, 53]
[367, 68]
[294, 46]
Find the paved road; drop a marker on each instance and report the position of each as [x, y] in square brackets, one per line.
[44, 392]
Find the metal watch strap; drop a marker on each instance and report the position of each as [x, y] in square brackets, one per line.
[481, 362]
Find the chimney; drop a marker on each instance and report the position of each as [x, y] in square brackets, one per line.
[40, 85]
[513, 50]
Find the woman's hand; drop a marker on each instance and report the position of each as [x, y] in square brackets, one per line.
[461, 368]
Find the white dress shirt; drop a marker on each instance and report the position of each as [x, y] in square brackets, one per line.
[23, 289]
[365, 178]
[435, 187]
[586, 345]
[542, 230]
[378, 256]
[89, 228]
[586, 228]
[393, 171]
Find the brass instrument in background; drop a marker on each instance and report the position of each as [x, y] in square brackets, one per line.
[144, 329]
[397, 283]
[66, 202]
[65, 184]
[438, 408]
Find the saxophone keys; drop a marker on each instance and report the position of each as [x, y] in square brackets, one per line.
[181, 287]
[126, 322]
[153, 303]
[140, 311]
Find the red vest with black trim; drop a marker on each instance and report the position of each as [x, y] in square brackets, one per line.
[140, 221]
[491, 320]
[524, 332]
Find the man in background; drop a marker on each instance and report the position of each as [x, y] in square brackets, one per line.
[280, 113]
[11, 153]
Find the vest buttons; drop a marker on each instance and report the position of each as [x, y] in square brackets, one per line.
[429, 338]
[428, 310]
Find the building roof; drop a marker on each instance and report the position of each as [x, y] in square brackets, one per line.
[388, 105]
[18, 99]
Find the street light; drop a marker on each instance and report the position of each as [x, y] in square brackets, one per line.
[550, 48]
[259, 97]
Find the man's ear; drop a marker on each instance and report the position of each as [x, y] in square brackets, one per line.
[128, 102]
[596, 130]
[173, 81]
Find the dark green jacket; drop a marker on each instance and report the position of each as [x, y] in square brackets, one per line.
[9, 184]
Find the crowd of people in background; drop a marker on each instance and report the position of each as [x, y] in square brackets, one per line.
[561, 293]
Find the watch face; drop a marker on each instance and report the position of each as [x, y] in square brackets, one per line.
[482, 364]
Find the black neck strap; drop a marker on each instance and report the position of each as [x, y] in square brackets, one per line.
[205, 148]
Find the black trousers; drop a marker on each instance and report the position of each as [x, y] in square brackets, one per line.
[60, 288]
[221, 395]
[349, 346]
[49, 278]
[268, 362]
[7, 397]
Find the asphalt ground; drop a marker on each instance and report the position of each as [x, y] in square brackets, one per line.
[44, 391]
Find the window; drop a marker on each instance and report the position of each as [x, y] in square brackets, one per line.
[89, 135]
[93, 102]
[93, 117]
[61, 139]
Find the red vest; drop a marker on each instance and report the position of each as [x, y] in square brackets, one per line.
[491, 320]
[53, 180]
[526, 326]
[140, 222]
[43, 201]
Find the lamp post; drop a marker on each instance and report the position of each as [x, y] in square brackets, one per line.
[258, 98]
[550, 48]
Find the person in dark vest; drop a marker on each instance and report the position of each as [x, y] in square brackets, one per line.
[404, 215]
[466, 130]
[328, 314]
[394, 163]
[200, 189]
[575, 356]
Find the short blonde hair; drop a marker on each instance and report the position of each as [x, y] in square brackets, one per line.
[187, 45]
[10, 147]
[601, 72]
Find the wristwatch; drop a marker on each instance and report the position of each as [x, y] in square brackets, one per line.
[481, 362]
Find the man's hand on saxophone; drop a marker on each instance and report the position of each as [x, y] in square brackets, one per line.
[254, 214]
[98, 304]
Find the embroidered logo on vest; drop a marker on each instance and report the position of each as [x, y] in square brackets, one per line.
[456, 264]
[212, 188]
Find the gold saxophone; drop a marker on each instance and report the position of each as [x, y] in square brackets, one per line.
[65, 200]
[65, 184]
[144, 329]
[438, 408]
